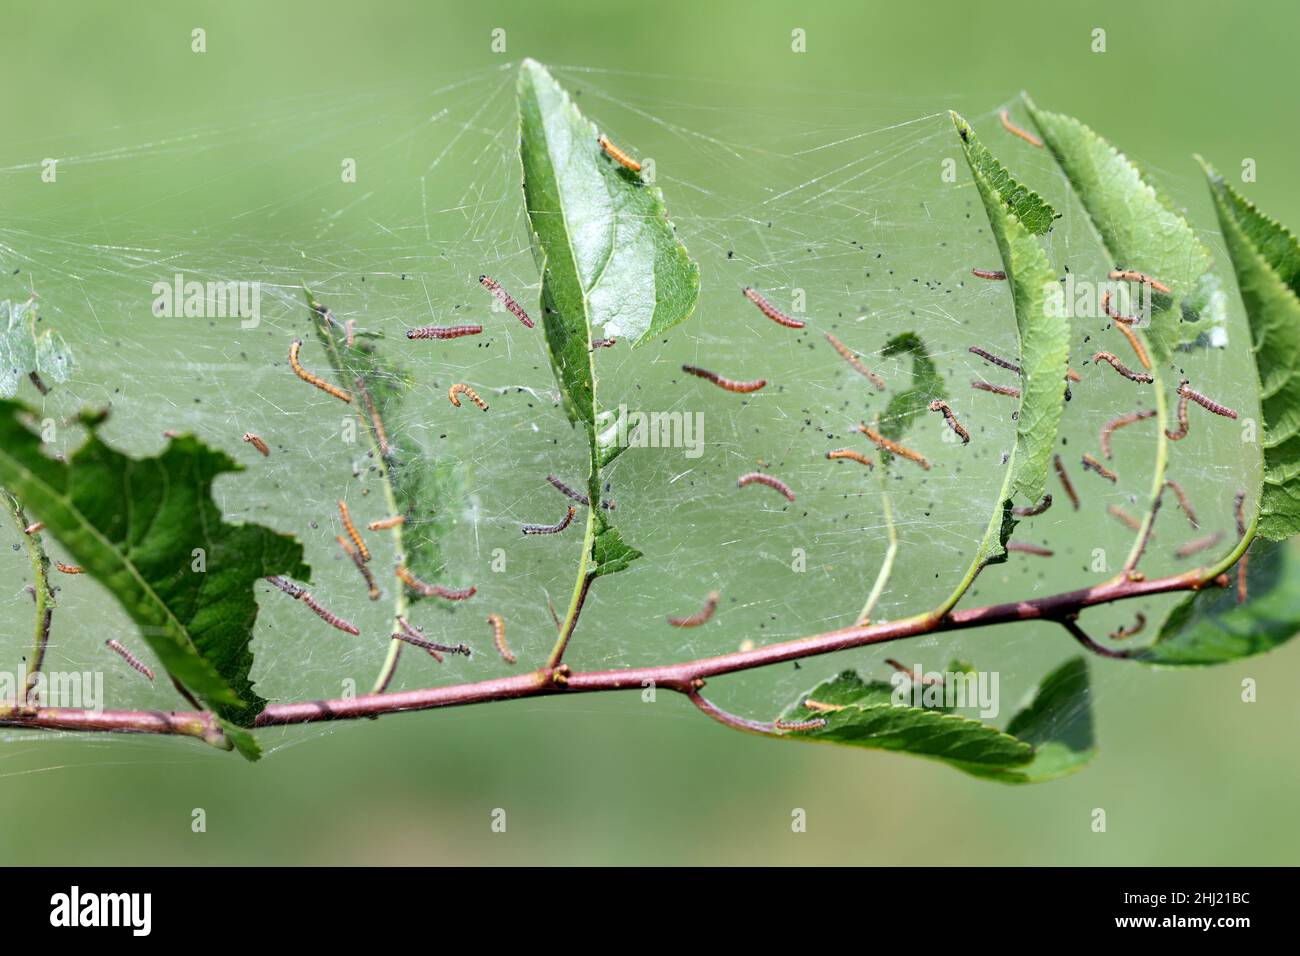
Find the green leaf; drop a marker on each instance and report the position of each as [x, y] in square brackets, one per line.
[1210, 627]
[610, 262]
[1266, 258]
[907, 406]
[1044, 337]
[244, 743]
[425, 491]
[134, 524]
[1030, 209]
[1140, 228]
[1050, 738]
[25, 353]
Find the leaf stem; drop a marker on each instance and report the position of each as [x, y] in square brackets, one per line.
[41, 591]
[580, 588]
[886, 566]
[1161, 465]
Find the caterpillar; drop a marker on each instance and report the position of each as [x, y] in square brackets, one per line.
[1115, 314]
[135, 662]
[854, 361]
[1197, 545]
[1128, 275]
[288, 587]
[504, 297]
[1034, 510]
[364, 568]
[702, 616]
[994, 274]
[257, 443]
[443, 331]
[329, 618]
[1066, 483]
[817, 707]
[762, 479]
[1244, 563]
[771, 311]
[894, 447]
[904, 669]
[1006, 390]
[1015, 130]
[1139, 622]
[411, 635]
[815, 724]
[1147, 532]
[1033, 549]
[69, 568]
[383, 524]
[350, 332]
[551, 528]
[852, 455]
[1209, 404]
[1115, 511]
[34, 528]
[381, 436]
[1182, 421]
[1092, 464]
[434, 590]
[294, 348]
[1120, 422]
[390, 671]
[1184, 503]
[578, 496]
[939, 405]
[1138, 348]
[353, 533]
[725, 383]
[616, 154]
[603, 343]
[1141, 377]
[460, 388]
[993, 359]
[1072, 375]
[499, 638]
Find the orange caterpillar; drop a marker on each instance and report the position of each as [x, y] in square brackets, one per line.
[434, 590]
[460, 388]
[1140, 377]
[353, 533]
[257, 442]
[1138, 349]
[364, 568]
[383, 524]
[1120, 422]
[1092, 464]
[853, 360]
[1066, 483]
[894, 447]
[1115, 313]
[939, 405]
[69, 568]
[616, 154]
[1129, 275]
[294, 348]
[34, 528]
[730, 385]
[1015, 130]
[381, 436]
[776, 484]
[771, 311]
[1184, 503]
[499, 638]
[815, 724]
[130, 658]
[1115, 511]
[817, 707]
[702, 616]
[852, 455]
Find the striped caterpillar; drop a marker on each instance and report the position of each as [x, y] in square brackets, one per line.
[893, 447]
[499, 638]
[1015, 130]
[1120, 422]
[443, 331]
[1128, 275]
[854, 361]
[433, 590]
[381, 436]
[1006, 390]
[1092, 464]
[771, 311]
[414, 636]
[257, 442]
[725, 383]
[1184, 503]
[577, 496]
[69, 568]
[504, 297]
[361, 566]
[603, 343]
[1115, 314]
[1066, 483]
[1033, 549]
[1141, 377]
[329, 618]
[460, 388]
[762, 479]
[1138, 348]
[294, 348]
[1033, 511]
[616, 154]
[994, 274]
[353, 533]
[1115, 511]
[702, 616]
[939, 405]
[1209, 404]
[1140, 621]
[130, 658]
[902, 668]
[1197, 545]
[993, 359]
[795, 725]
[852, 455]
[551, 528]
[383, 524]
[1182, 421]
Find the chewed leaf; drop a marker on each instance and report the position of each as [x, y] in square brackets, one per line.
[1210, 627]
[610, 554]
[1266, 258]
[907, 406]
[24, 352]
[138, 525]
[1140, 228]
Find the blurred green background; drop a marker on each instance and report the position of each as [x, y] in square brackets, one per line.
[817, 170]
